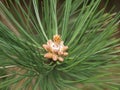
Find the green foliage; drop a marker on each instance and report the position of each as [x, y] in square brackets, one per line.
[87, 30]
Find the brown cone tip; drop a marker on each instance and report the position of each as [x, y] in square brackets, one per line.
[56, 50]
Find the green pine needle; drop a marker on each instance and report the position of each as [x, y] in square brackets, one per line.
[84, 28]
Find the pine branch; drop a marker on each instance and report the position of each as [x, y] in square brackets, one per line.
[46, 46]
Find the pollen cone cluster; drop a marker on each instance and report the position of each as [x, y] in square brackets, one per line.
[56, 49]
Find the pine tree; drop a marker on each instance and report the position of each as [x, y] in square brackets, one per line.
[45, 45]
